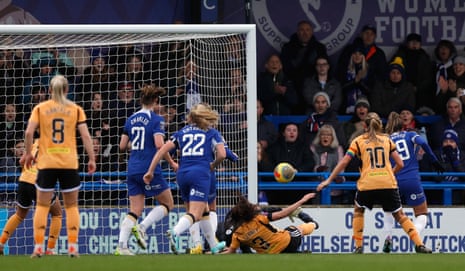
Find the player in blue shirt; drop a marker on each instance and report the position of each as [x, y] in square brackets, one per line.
[194, 230]
[143, 135]
[197, 143]
[408, 144]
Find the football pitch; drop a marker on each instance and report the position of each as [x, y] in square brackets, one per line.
[240, 262]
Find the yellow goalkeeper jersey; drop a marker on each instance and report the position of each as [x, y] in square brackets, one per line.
[30, 175]
[260, 235]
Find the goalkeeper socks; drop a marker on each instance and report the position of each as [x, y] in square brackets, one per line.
[10, 227]
[307, 228]
[72, 223]
[54, 231]
[40, 222]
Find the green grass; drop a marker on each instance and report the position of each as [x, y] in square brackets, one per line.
[240, 262]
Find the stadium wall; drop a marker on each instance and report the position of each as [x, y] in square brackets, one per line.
[100, 229]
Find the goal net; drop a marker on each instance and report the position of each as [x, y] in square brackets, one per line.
[106, 66]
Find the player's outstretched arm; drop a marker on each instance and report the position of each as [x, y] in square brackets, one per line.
[285, 212]
[338, 169]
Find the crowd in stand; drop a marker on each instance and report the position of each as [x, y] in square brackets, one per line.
[299, 80]
[302, 81]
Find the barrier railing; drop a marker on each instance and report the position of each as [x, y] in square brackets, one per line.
[241, 183]
[277, 120]
[447, 187]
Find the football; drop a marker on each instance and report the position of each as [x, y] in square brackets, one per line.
[284, 172]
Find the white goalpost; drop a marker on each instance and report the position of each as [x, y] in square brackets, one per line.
[106, 66]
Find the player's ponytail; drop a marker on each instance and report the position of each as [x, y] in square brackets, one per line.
[59, 87]
[203, 116]
[394, 123]
[374, 125]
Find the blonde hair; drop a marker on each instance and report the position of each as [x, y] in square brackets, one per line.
[328, 128]
[203, 116]
[59, 87]
[374, 126]
[394, 123]
[351, 66]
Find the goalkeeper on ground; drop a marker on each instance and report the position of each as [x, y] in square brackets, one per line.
[246, 223]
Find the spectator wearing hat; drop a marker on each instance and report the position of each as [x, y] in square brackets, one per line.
[394, 92]
[322, 81]
[321, 115]
[452, 158]
[419, 69]
[356, 125]
[407, 117]
[452, 119]
[425, 111]
[444, 54]
[410, 123]
[354, 83]
[374, 55]
[299, 57]
[353, 128]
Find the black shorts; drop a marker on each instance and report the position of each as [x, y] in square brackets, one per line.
[389, 199]
[27, 195]
[68, 178]
[296, 240]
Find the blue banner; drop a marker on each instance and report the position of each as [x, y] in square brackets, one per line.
[99, 233]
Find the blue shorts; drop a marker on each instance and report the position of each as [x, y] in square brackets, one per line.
[194, 185]
[136, 185]
[411, 192]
